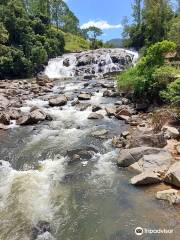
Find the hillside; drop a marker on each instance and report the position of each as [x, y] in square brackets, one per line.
[116, 42]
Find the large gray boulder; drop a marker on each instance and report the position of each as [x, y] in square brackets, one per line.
[58, 101]
[146, 178]
[144, 159]
[173, 175]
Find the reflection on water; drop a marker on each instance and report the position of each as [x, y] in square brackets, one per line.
[89, 199]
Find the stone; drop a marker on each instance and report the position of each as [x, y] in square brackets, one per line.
[84, 96]
[96, 108]
[170, 195]
[135, 167]
[141, 138]
[118, 103]
[4, 118]
[82, 106]
[75, 102]
[146, 178]
[110, 111]
[123, 111]
[14, 114]
[40, 228]
[109, 93]
[3, 127]
[129, 156]
[125, 134]
[58, 101]
[99, 133]
[177, 147]
[4, 102]
[123, 117]
[37, 115]
[125, 101]
[24, 120]
[173, 175]
[171, 131]
[95, 116]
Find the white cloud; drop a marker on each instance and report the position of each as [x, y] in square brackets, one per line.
[100, 24]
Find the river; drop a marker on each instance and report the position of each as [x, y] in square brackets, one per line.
[44, 194]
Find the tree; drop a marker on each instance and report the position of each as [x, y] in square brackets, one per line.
[93, 33]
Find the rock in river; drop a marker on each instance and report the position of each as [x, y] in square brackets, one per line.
[58, 101]
[145, 178]
[170, 195]
[84, 96]
[95, 116]
[173, 175]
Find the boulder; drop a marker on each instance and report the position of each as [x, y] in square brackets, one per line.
[125, 134]
[40, 228]
[3, 127]
[75, 102]
[177, 147]
[109, 93]
[170, 195]
[99, 133]
[4, 102]
[172, 132]
[42, 79]
[95, 116]
[4, 118]
[140, 138]
[146, 178]
[173, 175]
[24, 120]
[58, 101]
[96, 108]
[141, 106]
[123, 111]
[84, 96]
[82, 106]
[37, 115]
[129, 156]
[14, 114]
[110, 111]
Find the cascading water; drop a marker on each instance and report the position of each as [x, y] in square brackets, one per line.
[96, 62]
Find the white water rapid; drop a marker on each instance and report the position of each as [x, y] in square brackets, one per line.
[95, 63]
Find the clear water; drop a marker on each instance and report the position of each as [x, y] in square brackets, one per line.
[88, 200]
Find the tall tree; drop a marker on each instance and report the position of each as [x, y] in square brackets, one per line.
[93, 33]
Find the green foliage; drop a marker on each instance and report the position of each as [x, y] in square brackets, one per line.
[149, 76]
[92, 33]
[172, 93]
[151, 23]
[26, 42]
[174, 32]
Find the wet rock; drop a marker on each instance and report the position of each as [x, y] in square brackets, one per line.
[84, 96]
[99, 133]
[146, 178]
[110, 111]
[14, 114]
[66, 62]
[37, 115]
[42, 79]
[170, 195]
[82, 106]
[173, 175]
[172, 132]
[88, 77]
[177, 147]
[24, 120]
[75, 102]
[135, 167]
[118, 103]
[4, 118]
[125, 134]
[40, 228]
[109, 93]
[123, 117]
[96, 108]
[80, 154]
[123, 111]
[129, 156]
[95, 116]
[4, 102]
[58, 101]
[125, 101]
[3, 127]
[107, 85]
[86, 84]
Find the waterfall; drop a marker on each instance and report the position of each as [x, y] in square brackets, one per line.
[90, 63]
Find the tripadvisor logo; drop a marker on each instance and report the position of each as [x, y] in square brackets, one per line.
[139, 231]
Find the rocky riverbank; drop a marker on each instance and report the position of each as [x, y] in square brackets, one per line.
[154, 155]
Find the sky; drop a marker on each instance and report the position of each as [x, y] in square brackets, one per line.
[105, 14]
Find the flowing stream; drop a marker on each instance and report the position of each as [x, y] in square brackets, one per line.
[45, 196]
